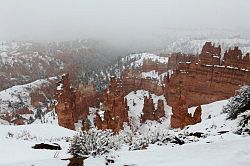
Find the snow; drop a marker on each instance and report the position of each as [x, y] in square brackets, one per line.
[15, 94]
[4, 122]
[140, 57]
[155, 75]
[137, 97]
[231, 152]
[215, 149]
[50, 117]
[216, 123]
[17, 150]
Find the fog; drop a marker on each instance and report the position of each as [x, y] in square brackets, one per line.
[125, 23]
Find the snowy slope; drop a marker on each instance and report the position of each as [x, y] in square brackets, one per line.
[20, 94]
[136, 100]
[137, 59]
[214, 149]
[16, 150]
[224, 153]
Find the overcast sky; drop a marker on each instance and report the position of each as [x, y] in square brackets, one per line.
[116, 19]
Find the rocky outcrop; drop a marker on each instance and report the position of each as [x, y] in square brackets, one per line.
[234, 58]
[148, 109]
[149, 65]
[210, 54]
[205, 83]
[180, 117]
[114, 106]
[204, 79]
[65, 105]
[149, 112]
[24, 110]
[178, 58]
[73, 104]
[131, 81]
[160, 111]
[18, 121]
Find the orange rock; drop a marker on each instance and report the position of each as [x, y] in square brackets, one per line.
[149, 111]
[149, 65]
[180, 117]
[159, 112]
[206, 83]
[73, 104]
[210, 54]
[24, 110]
[132, 81]
[115, 107]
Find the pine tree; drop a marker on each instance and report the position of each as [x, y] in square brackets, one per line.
[239, 103]
[93, 142]
[76, 146]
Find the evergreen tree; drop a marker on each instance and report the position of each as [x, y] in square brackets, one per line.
[76, 146]
[239, 103]
[93, 142]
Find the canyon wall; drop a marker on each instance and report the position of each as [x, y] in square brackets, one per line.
[194, 80]
[208, 78]
[149, 65]
[132, 81]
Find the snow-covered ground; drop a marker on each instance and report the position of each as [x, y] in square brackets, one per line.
[140, 57]
[21, 52]
[16, 144]
[19, 94]
[155, 75]
[215, 149]
[136, 100]
[224, 152]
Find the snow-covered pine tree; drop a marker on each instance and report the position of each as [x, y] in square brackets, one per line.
[239, 108]
[244, 123]
[93, 142]
[239, 103]
[76, 146]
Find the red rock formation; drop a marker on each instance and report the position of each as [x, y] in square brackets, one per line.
[180, 117]
[235, 58]
[210, 54]
[208, 80]
[115, 107]
[39, 95]
[149, 111]
[177, 58]
[206, 83]
[24, 110]
[149, 65]
[18, 122]
[65, 106]
[159, 112]
[73, 104]
[6, 116]
[131, 81]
